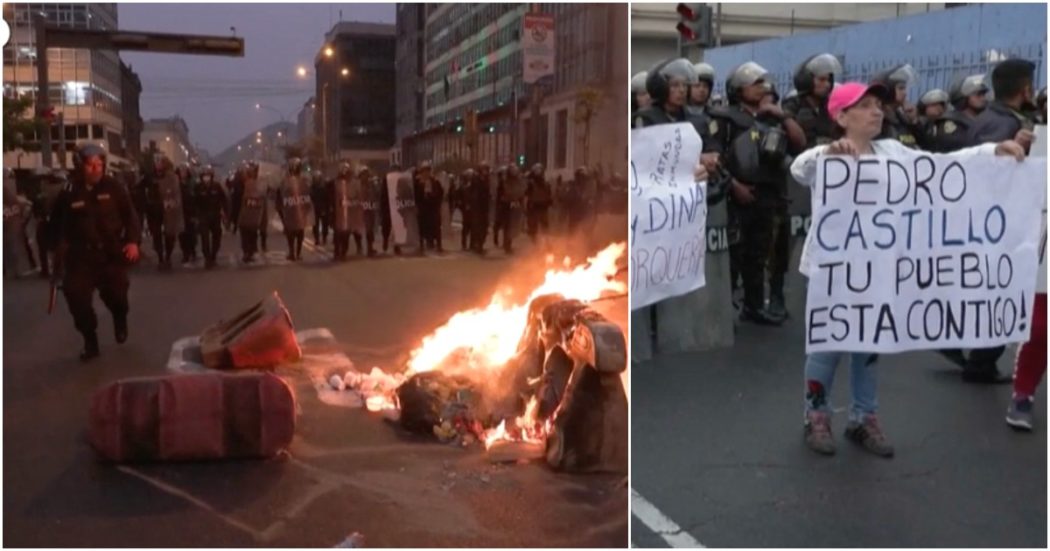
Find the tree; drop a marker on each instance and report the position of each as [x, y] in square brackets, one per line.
[17, 126]
[588, 103]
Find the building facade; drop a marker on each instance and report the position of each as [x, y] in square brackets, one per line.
[409, 64]
[171, 137]
[131, 123]
[473, 63]
[356, 93]
[85, 86]
[654, 38]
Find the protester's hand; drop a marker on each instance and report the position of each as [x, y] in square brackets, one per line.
[700, 172]
[842, 147]
[1025, 138]
[710, 161]
[742, 193]
[131, 252]
[1010, 148]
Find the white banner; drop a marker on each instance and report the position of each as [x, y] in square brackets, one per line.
[537, 46]
[668, 214]
[398, 231]
[1039, 150]
[923, 252]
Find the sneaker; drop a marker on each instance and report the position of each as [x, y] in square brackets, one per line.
[869, 434]
[1019, 416]
[818, 433]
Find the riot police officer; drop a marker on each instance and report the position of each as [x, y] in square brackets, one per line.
[639, 95]
[538, 200]
[319, 191]
[347, 216]
[513, 196]
[370, 203]
[408, 207]
[43, 205]
[700, 93]
[900, 121]
[432, 196]
[501, 207]
[293, 200]
[758, 139]
[251, 210]
[951, 132]
[932, 107]
[459, 199]
[97, 235]
[382, 194]
[173, 214]
[807, 103]
[479, 196]
[212, 209]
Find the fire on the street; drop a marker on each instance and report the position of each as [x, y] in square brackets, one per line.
[485, 339]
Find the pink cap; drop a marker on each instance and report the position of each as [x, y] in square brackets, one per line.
[847, 94]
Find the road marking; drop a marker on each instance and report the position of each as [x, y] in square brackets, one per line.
[172, 490]
[656, 521]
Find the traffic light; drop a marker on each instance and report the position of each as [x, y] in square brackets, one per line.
[521, 160]
[694, 25]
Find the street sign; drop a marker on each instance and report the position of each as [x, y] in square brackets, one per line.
[537, 46]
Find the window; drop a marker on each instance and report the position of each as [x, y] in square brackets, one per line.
[96, 132]
[82, 132]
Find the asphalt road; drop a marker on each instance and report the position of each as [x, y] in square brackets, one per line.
[717, 448]
[347, 471]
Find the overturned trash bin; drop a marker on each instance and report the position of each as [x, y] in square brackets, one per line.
[260, 337]
[192, 417]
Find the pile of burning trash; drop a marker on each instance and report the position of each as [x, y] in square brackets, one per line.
[542, 377]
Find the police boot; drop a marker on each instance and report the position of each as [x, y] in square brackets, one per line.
[90, 351]
[120, 328]
[759, 316]
[777, 308]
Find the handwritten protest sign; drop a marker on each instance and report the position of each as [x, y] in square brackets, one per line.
[1039, 151]
[668, 214]
[923, 252]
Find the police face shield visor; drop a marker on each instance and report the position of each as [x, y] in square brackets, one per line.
[638, 82]
[934, 97]
[679, 71]
[973, 84]
[824, 65]
[748, 74]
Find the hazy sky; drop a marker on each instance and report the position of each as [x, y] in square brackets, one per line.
[217, 95]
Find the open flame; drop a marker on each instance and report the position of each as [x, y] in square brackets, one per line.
[526, 428]
[486, 338]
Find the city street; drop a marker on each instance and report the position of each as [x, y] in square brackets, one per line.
[718, 451]
[347, 470]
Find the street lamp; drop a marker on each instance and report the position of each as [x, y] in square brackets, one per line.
[301, 71]
[345, 72]
[328, 51]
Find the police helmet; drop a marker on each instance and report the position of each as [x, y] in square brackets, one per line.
[964, 87]
[87, 151]
[705, 73]
[898, 74]
[933, 97]
[294, 164]
[745, 75]
[537, 169]
[344, 168]
[816, 66]
[638, 83]
[658, 83]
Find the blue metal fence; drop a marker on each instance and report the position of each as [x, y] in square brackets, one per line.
[939, 45]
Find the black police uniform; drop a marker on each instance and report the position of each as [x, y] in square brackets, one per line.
[211, 206]
[949, 133]
[538, 198]
[767, 174]
[382, 190]
[896, 127]
[92, 227]
[479, 195]
[188, 237]
[319, 191]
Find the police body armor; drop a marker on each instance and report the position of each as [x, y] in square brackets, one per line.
[514, 195]
[815, 121]
[170, 191]
[405, 203]
[371, 202]
[950, 133]
[896, 127]
[756, 152]
[253, 205]
[295, 203]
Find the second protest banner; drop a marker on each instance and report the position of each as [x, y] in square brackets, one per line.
[668, 214]
[923, 252]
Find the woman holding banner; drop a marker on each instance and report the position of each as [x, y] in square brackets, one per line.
[857, 111]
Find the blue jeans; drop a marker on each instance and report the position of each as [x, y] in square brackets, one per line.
[820, 375]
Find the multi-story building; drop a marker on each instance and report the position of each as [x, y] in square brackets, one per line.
[305, 121]
[355, 92]
[473, 62]
[85, 86]
[130, 92]
[409, 64]
[171, 137]
[654, 37]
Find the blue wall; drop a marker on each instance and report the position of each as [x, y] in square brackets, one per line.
[939, 45]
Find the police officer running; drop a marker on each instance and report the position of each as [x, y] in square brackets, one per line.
[98, 236]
